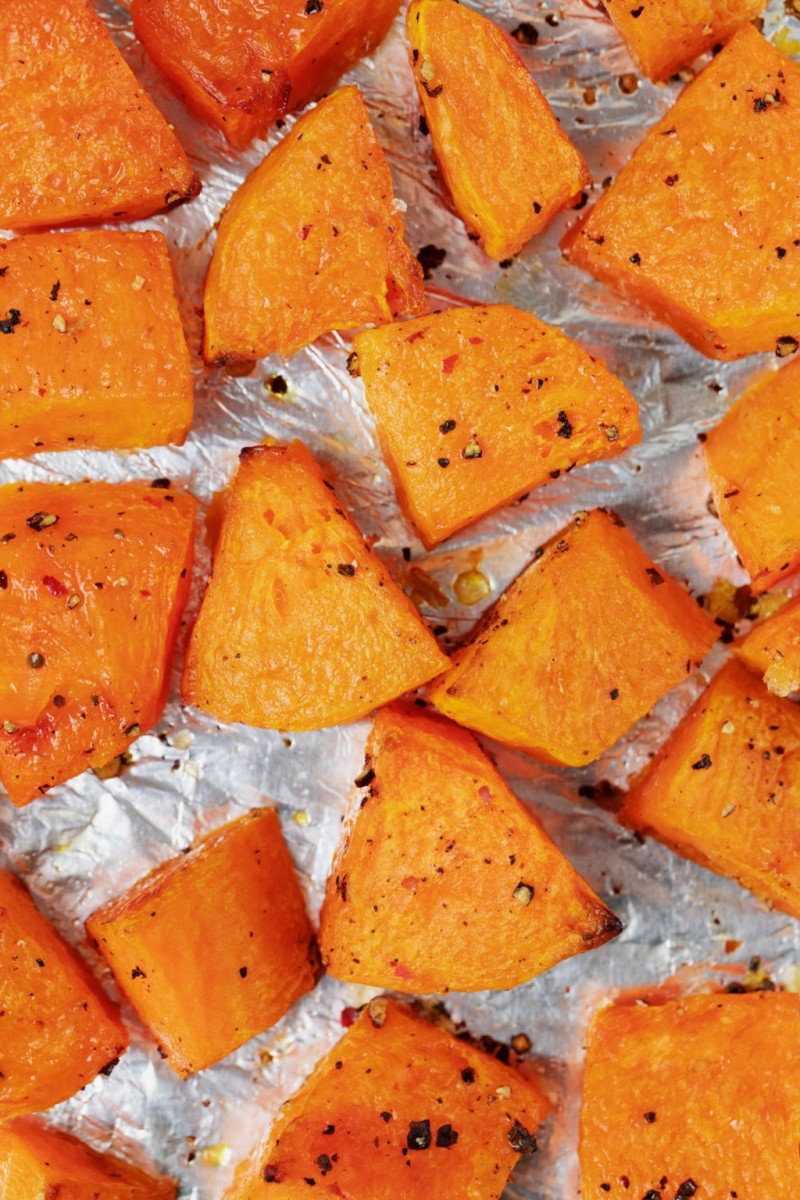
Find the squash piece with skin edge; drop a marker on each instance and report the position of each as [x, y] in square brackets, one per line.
[511, 171]
[399, 1109]
[60, 1029]
[477, 405]
[302, 626]
[580, 646]
[772, 649]
[444, 880]
[311, 242]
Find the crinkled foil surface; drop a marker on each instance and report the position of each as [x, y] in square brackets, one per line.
[91, 839]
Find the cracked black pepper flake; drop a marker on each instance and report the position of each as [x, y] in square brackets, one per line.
[429, 258]
[781, 253]
[786, 346]
[505, 263]
[447, 427]
[138, 973]
[636, 259]
[671, 180]
[537, 208]
[702, 764]
[423, 126]
[419, 1135]
[687, 1190]
[365, 778]
[346, 569]
[443, 462]
[276, 384]
[36, 660]
[614, 693]
[109, 1067]
[271, 1173]
[524, 893]
[54, 290]
[59, 701]
[312, 7]
[446, 1137]
[650, 1117]
[526, 34]
[520, 1139]
[324, 1163]
[162, 484]
[328, 1130]
[40, 521]
[468, 1075]
[652, 1195]
[243, 972]
[433, 92]
[565, 429]
[655, 576]
[386, 1117]
[11, 319]
[3, 581]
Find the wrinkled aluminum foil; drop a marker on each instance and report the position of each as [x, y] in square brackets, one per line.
[90, 839]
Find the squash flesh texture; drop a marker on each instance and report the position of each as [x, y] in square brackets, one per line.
[107, 659]
[772, 649]
[707, 244]
[512, 171]
[217, 51]
[116, 375]
[751, 458]
[431, 866]
[503, 377]
[592, 617]
[721, 1074]
[59, 1028]
[38, 1162]
[306, 246]
[285, 639]
[412, 1071]
[179, 940]
[82, 141]
[739, 816]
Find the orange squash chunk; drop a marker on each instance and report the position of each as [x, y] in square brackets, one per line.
[94, 354]
[476, 406]
[700, 226]
[242, 65]
[41, 1163]
[302, 626]
[582, 644]
[93, 580]
[82, 141]
[751, 457]
[310, 242]
[215, 946]
[772, 649]
[398, 1110]
[444, 880]
[58, 1028]
[664, 36]
[510, 172]
[724, 790]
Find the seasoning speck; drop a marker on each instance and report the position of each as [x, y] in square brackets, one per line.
[419, 1135]
[36, 660]
[524, 893]
[702, 764]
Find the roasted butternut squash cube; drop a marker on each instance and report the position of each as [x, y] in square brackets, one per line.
[311, 242]
[301, 626]
[444, 880]
[42, 1163]
[694, 1097]
[398, 1110]
[241, 65]
[93, 581]
[475, 406]
[579, 647]
[513, 169]
[95, 355]
[215, 946]
[58, 1028]
[82, 141]
[772, 649]
[751, 457]
[724, 789]
[700, 226]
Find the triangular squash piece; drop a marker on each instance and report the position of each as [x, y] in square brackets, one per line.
[445, 881]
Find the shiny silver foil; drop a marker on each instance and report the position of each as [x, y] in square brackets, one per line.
[89, 839]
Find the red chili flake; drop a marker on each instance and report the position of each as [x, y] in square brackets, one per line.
[54, 586]
[476, 341]
[410, 883]
[485, 794]
[416, 336]
[348, 1017]
[402, 972]
[144, 592]
[448, 364]
[305, 231]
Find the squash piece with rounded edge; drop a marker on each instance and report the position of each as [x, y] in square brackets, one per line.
[82, 140]
[398, 1110]
[444, 881]
[724, 789]
[580, 646]
[512, 170]
[93, 581]
[38, 1162]
[215, 946]
[700, 226]
[59, 1028]
[301, 626]
[97, 356]
[241, 65]
[311, 242]
[772, 649]
[475, 406]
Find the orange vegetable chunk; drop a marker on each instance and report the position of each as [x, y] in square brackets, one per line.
[582, 644]
[700, 1092]
[41, 1163]
[724, 789]
[95, 355]
[444, 880]
[398, 1110]
[751, 457]
[241, 65]
[700, 226]
[93, 580]
[58, 1028]
[510, 172]
[82, 140]
[310, 242]
[301, 626]
[215, 946]
[476, 406]
[772, 649]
